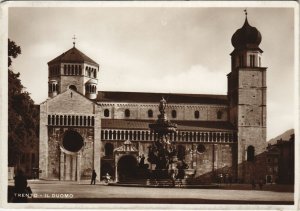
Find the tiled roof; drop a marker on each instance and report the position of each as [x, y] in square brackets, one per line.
[145, 97]
[73, 56]
[181, 125]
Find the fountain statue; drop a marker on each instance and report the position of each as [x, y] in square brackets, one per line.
[162, 152]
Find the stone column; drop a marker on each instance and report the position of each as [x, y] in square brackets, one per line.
[68, 167]
[43, 148]
[116, 168]
[73, 157]
[97, 141]
[78, 164]
[62, 166]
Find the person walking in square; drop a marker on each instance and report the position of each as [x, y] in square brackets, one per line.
[94, 175]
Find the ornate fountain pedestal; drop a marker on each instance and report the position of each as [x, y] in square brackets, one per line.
[162, 153]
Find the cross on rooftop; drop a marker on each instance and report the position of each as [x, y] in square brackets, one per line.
[74, 38]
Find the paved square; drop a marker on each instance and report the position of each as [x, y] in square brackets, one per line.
[83, 192]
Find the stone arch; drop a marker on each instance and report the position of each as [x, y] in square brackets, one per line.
[127, 167]
[73, 87]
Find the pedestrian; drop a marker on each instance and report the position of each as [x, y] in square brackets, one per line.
[253, 184]
[21, 191]
[94, 175]
[107, 178]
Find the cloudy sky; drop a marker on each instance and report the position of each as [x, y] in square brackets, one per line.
[160, 49]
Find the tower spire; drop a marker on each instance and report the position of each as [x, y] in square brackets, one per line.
[245, 10]
[74, 38]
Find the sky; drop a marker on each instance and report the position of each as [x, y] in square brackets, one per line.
[158, 49]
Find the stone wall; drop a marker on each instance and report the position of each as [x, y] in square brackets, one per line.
[215, 160]
[56, 135]
[184, 111]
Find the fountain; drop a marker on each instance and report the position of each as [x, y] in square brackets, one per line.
[163, 151]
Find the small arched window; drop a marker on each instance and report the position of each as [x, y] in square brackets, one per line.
[106, 113]
[109, 149]
[150, 113]
[197, 114]
[219, 114]
[127, 113]
[174, 114]
[250, 153]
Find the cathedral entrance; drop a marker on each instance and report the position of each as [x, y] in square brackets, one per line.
[71, 145]
[127, 167]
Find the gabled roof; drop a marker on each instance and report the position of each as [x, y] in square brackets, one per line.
[73, 55]
[143, 97]
[181, 125]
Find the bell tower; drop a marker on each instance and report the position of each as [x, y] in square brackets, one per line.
[73, 70]
[247, 100]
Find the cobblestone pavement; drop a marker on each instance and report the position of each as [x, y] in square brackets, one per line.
[57, 191]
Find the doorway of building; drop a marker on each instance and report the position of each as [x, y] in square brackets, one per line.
[127, 167]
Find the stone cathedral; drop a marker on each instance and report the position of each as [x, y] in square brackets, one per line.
[82, 129]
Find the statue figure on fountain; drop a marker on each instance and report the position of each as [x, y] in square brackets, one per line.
[162, 152]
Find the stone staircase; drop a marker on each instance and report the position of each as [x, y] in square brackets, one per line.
[164, 183]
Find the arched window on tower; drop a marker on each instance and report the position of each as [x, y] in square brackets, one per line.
[72, 70]
[89, 71]
[127, 113]
[174, 114]
[86, 71]
[250, 153]
[109, 149]
[197, 114]
[76, 70]
[80, 71]
[69, 69]
[252, 60]
[150, 113]
[65, 69]
[106, 113]
[50, 88]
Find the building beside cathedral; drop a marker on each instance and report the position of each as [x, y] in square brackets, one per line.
[82, 129]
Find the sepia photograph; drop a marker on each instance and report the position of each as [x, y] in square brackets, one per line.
[153, 105]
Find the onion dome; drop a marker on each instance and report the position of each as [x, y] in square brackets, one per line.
[246, 37]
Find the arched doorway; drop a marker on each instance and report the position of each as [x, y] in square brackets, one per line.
[127, 167]
[71, 144]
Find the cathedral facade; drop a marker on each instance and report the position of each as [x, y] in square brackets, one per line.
[82, 129]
